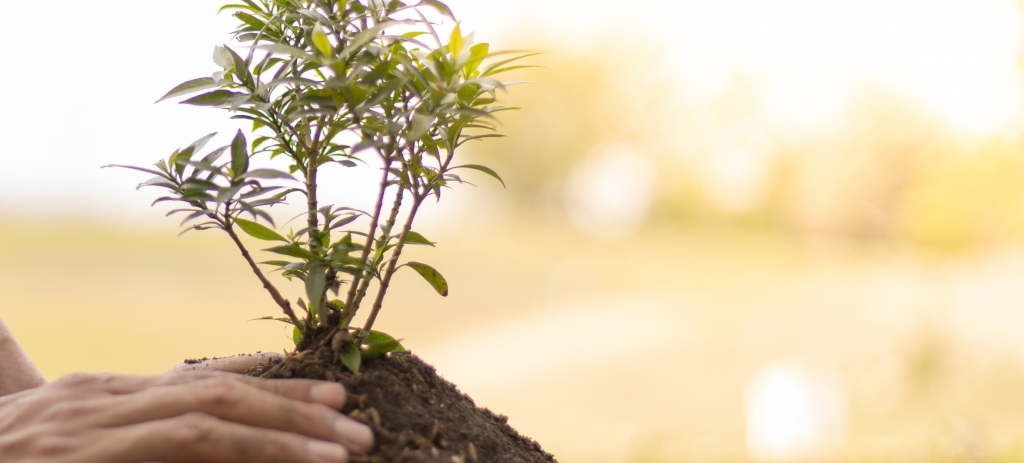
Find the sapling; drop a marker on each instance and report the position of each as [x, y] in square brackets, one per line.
[335, 81]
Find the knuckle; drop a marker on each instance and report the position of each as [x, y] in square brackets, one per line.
[76, 379]
[81, 379]
[66, 410]
[53, 446]
[34, 444]
[195, 430]
[218, 392]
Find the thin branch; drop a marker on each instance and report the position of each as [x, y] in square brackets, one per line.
[351, 300]
[417, 200]
[312, 159]
[280, 300]
[390, 223]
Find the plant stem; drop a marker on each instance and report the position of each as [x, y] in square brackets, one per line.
[312, 159]
[312, 148]
[417, 200]
[280, 300]
[390, 224]
[352, 290]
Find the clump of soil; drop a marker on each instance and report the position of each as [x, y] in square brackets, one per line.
[416, 416]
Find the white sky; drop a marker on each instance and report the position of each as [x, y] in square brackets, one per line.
[81, 77]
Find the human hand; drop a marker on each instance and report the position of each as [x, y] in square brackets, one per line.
[17, 372]
[236, 364]
[193, 417]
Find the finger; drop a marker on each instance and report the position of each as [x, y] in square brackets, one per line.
[201, 438]
[307, 390]
[234, 364]
[234, 401]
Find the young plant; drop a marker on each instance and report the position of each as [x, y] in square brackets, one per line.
[329, 81]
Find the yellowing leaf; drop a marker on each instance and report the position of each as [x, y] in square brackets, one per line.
[432, 276]
[455, 41]
[322, 44]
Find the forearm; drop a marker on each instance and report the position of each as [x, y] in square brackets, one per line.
[17, 372]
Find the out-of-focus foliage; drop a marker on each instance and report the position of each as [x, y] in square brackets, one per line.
[888, 171]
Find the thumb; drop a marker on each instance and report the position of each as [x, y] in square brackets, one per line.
[234, 364]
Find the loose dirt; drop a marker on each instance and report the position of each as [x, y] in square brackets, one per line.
[416, 416]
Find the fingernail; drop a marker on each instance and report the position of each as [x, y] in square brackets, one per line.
[357, 435]
[330, 394]
[326, 451]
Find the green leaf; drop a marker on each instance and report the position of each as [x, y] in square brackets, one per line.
[432, 276]
[416, 238]
[455, 41]
[440, 7]
[378, 343]
[250, 20]
[222, 57]
[185, 88]
[258, 231]
[265, 173]
[504, 62]
[420, 125]
[294, 250]
[315, 283]
[351, 359]
[344, 221]
[294, 52]
[296, 335]
[322, 44]
[239, 156]
[365, 36]
[280, 319]
[510, 68]
[484, 169]
[214, 98]
[477, 53]
[279, 263]
[241, 67]
[141, 169]
[200, 143]
[236, 6]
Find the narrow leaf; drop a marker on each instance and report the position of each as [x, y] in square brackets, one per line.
[239, 156]
[185, 88]
[293, 250]
[258, 231]
[484, 169]
[344, 221]
[265, 173]
[432, 276]
[279, 263]
[416, 238]
[440, 7]
[315, 283]
[214, 98]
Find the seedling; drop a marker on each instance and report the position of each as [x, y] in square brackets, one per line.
[336, 81]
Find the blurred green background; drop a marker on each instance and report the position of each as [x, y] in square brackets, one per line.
[733, 231]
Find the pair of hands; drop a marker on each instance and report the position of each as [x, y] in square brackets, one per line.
[191, 414]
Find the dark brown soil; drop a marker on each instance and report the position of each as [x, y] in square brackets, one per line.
[416, 415]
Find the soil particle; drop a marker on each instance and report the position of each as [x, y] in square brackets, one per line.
[416, 416]
[195, 361]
